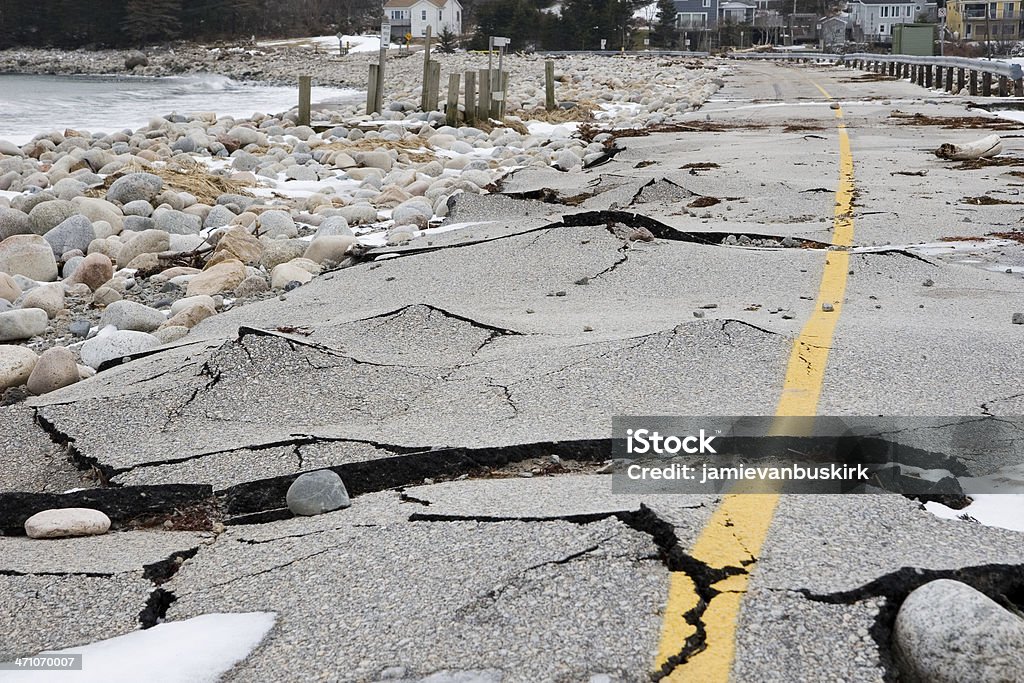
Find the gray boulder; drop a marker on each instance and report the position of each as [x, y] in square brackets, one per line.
[135, 186]
[22, 323]
[219, 216]
[334, 226]
[314, 493]
[177, 222]
[129, 315]
[110, 345]
[29, 256]
[74, 232]
[276, 223]
[138, 208]
[134, 59]
[146, 242]
[13, 222]
[947, 632]
[49, 215]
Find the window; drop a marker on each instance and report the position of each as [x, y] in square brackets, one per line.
[691, 20]
[707, 3]
[881, 29]
[909, 9]
[423, 15]
[1008, 10]
[439, 14]
[885, 10]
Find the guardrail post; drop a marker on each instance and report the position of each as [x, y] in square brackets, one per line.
[961, 78]
[892, 69]
[974, 83]
[949, 79]
[986, 84]
[938, 76]
[1003, 89]
[920, 75]
[929, 74]
[1018, 87]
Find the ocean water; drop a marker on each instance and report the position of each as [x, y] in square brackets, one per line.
[30, 105]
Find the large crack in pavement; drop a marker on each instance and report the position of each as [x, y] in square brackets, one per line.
[670, 553]
[1003, 583]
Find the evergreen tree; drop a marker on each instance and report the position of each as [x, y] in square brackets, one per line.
[664, 32]
[149, 21]
[447, 41]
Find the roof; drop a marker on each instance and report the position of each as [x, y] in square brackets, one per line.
[399, 4]
[885, 2]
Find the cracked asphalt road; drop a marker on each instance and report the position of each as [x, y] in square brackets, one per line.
[471, 355]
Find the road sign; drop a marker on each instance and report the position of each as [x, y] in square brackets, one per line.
[408, 37]
[942, 13]
[604, 42]
[500, 42]
[385, 34]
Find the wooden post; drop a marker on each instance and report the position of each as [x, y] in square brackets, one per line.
[304, 87]
[371, 90]
[961, 78]
[929, 72]
[470, 97]
[1003, 89]
[949, 79]
[381, 59]
[892, 68]
[451, 107]
[974, 82]
[483, 110]
[434, 80]
[1018, 87]
[939, 72]
[986, 84]
[549, 85]
[424, 102]
[504, 95]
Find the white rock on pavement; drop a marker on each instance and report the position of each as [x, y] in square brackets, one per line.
[65, 522]
[111, 344]
[948, 632]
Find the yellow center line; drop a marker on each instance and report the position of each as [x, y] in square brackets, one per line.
[737, 529]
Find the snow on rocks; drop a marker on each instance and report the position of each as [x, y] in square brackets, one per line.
[65, 522]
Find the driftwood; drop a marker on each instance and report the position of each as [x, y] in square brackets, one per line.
[986, 147]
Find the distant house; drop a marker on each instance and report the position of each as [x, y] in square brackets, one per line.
[414, 16]
[985, 20]
[871, 21]
[832, 31]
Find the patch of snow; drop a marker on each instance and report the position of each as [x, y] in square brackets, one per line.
[939, 248]
[1011, 115]
[331, 43]
[991, 509]
[552, 130]
[198, 650]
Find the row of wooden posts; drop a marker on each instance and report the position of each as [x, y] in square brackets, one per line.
[930, 75]
[484, 91]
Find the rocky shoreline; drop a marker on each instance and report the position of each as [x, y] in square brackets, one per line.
[113, 244]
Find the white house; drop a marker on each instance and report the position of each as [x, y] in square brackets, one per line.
[413, 16]
[872, 20]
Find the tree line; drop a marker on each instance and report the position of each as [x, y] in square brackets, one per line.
[122, 23]
[546, 24]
